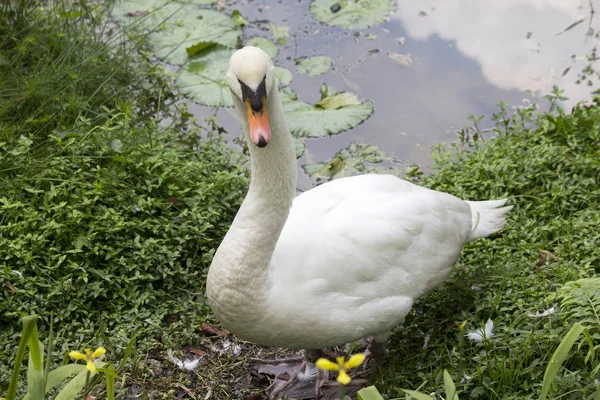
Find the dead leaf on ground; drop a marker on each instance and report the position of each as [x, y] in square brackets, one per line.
[197, 352]
[13, 290]
[544, 254]
[206, 328]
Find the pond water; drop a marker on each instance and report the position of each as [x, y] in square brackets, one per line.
[428, 66]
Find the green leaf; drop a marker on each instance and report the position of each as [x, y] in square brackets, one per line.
[449, 387]
[199, 47]
[581, 299]
[350, 13]
[280, 33]
[265, 44]
[351, 161]
[369, 393]
[29, 325]
[559, 356]
[299, 146]
[314, 66]
[35, 374]
[76, 385]
[203, 78]
[190, 26]
[110, 374]
[59, 374]
[283, 75]
[328, 117]
[238, 18]
[417, 395]
[116, 145]
[150, 14]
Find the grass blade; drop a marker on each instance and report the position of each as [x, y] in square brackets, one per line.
[110, 382]
[417, 395]
[449, 386]
[559, 356]
[369, 393]
[28, 323]
[35, 375]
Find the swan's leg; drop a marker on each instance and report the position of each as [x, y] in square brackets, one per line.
[378, 348]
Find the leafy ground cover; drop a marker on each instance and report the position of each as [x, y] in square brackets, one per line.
[112, 201]
[110, 205]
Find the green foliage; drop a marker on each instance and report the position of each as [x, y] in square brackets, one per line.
[41, 381]
[559, 356]
[580, 300]
[547, 164]
[111, 204]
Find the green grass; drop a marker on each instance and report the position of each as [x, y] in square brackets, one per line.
[549, 166]
[112, 201]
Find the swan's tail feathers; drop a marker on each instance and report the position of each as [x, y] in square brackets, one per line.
[488, 217]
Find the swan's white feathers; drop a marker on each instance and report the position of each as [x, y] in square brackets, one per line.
[347, 260]
[358, 251]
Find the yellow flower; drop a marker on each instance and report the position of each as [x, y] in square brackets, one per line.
[89, 357]
[341, 366]
[462, 326]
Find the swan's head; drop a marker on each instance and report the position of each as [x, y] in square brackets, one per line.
[251, 77]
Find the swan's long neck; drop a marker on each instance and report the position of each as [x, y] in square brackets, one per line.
[238, 277]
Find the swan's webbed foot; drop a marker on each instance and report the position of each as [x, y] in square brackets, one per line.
[299, 378]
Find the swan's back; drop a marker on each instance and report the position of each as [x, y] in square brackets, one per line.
[353, 256]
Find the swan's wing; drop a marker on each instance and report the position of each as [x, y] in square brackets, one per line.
[367, 240]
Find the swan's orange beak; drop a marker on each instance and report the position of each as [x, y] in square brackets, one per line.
[260, 131]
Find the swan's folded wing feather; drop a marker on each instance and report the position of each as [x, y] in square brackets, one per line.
[368, 238]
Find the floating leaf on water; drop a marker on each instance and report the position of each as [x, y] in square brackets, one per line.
[189, 26]
[330, 117]
[338, 100]
[264, 44]
[401, 58]
[350, 161]
[198, 48]
[353, 14]
[148, 14]
[283, 75]
[238, 18]
[280, 32]
[202, 79]
[299, 146]
[370, 36]
[314, 66]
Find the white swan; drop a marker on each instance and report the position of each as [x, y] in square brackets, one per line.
[342, 261]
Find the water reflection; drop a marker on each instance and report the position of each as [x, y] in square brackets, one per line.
[466, 56]
[519, 44]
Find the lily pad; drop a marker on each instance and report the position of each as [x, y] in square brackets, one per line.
[299, 146]
[190, 26]
[280, 32]
[148, 14]
[265, 44]
[355, 159]
[283, 75]
[352, 14]
[333, 114]
[314, 66]
[203, 78]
